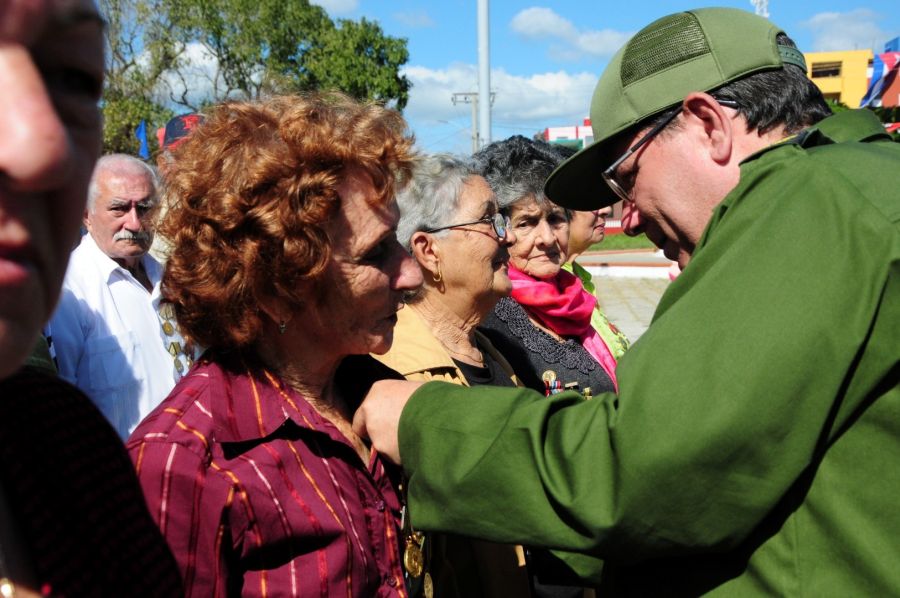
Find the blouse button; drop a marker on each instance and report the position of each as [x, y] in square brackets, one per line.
[392, 581]
[379, 505]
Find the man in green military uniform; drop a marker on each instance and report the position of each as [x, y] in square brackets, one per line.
[753, 447]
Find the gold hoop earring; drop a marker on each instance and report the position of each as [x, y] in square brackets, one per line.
[438, 277]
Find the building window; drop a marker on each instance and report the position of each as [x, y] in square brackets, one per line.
[826, 69]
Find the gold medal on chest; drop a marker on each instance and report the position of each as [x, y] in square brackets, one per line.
[413, 560]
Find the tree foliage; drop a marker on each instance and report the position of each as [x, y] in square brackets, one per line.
[135, 61]
[179, 55]
[359, 59]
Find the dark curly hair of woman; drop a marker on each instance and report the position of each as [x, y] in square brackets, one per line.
[248, 194]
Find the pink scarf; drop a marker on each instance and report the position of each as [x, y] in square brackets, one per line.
[562, 305]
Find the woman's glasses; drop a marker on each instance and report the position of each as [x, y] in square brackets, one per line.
[498, 221]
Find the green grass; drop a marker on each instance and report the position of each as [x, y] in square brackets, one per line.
[622, 241]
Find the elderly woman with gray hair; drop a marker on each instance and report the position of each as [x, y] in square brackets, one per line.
[544, 328]
[450, 223]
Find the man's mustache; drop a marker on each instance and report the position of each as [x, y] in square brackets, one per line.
[127, 235]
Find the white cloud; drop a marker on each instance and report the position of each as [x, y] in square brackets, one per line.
[523, 105]
[855, 30]
[568, 42]
[541, 23]
[199, 74]
[337, 7]
[416, 20]
[199, 77]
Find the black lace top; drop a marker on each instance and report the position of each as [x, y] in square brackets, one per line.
[535, 355]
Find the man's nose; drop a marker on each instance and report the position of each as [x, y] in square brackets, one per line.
[133, 219]
[632, 221]
[35, 151]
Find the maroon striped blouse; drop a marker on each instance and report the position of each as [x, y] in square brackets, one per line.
[259, 495]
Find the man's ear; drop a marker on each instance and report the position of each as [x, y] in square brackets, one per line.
[85, 220]
[423, 248]
[715, 126]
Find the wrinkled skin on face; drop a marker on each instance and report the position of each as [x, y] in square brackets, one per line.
[120, 221]
[542, 238]
[51, 74]
[366, 278]
[473, 260]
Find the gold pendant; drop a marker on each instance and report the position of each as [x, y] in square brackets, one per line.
[412, 558]
[168, 328]
[428, 586]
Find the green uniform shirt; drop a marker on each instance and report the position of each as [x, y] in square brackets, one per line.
[754, 447]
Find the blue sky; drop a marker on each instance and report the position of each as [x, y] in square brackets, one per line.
[546, 56]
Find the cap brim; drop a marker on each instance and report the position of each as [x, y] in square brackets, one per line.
[578, 182]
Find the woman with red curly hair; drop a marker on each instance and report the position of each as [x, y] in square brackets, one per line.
[284, 264]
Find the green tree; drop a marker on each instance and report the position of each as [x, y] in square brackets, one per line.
[260, 47]
[836, 105]
[359, 59]
[136, 57]
[175, 55]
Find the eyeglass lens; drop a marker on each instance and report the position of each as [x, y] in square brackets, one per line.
[500, 223]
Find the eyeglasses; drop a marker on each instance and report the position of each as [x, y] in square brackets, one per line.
[498, 221]
[609, 175]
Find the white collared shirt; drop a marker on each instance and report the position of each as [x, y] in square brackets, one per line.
[108, 337]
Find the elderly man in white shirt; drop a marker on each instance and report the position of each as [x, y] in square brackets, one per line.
[109, 335]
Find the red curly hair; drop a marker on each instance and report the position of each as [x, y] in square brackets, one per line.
[249, 192]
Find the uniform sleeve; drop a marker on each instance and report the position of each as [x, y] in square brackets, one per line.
[191, 506]
[765, 349]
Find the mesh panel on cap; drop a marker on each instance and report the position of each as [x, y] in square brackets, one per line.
[671, 40]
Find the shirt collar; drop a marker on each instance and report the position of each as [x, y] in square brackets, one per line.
[107, 266]
[251, 403]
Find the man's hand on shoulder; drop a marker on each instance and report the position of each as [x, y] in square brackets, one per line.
[378, 417]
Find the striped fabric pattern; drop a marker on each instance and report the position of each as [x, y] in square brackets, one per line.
[259, 495]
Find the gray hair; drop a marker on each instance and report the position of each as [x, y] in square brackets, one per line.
[119, 165]
[430, 198]
[516, 168]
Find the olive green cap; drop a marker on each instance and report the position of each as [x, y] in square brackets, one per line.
[696, 50]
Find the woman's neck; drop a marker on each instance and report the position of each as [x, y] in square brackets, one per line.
[454, 331]
[319, 389]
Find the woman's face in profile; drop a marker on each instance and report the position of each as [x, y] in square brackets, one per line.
[542, 237]
[587, 228]
[366, 278]
[474, 259]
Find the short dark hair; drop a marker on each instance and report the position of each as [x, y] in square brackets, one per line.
[784, 97]
[517, 167]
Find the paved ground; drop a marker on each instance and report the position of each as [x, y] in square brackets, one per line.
[629, 302]
[629, 285]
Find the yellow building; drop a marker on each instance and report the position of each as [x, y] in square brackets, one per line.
[841, 76]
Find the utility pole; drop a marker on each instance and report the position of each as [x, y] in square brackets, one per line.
[471, 97]
[484, 73]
